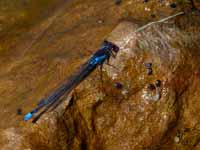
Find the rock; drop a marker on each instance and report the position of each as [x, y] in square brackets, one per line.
[148, 65]
[176, 139]
[141, 118]
[11, 139]
[118, 85]
[173, 5]
[158, 83]
[100, 21]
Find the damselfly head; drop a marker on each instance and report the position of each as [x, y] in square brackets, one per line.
[115, 48]
[110, 46]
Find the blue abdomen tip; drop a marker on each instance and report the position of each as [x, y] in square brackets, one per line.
[28, 116]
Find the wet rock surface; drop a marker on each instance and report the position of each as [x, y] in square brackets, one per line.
[141, 118]
[98, 114]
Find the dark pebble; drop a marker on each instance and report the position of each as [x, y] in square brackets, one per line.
[19, 111]
[148, 65]
[118, 85]
[151, 87]
[173, 5]
[118, 2]
[158, 83]
[153, 16]
[149, 71]
[145, 1]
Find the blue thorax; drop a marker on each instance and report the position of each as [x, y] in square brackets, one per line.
[28, 116]
[100, 56]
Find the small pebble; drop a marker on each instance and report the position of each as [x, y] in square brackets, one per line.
[118, 2]
[173, 5]
[147, 9]
[19, 111]
[158, 83]
[149, 71]
[145, 1]
[176, 139]
[151, 87]
[114, 76]
[100, 21]
[124, 92]
[148, 65]
[153, 16]
[118, 85]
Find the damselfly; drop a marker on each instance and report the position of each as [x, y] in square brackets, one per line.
[107, 50]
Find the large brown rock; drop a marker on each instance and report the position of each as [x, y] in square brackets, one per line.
[99, 115]
[137, 117]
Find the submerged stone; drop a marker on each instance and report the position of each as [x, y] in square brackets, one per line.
[118, 85]
[173, 5]
[148, 65]
[158, 83]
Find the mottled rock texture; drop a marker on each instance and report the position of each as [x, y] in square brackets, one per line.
[97, 115]
[137, 119]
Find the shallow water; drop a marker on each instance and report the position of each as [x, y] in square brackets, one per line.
[42, 42]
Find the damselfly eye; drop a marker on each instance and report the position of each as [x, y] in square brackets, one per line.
[111, 46]
[115, 48]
